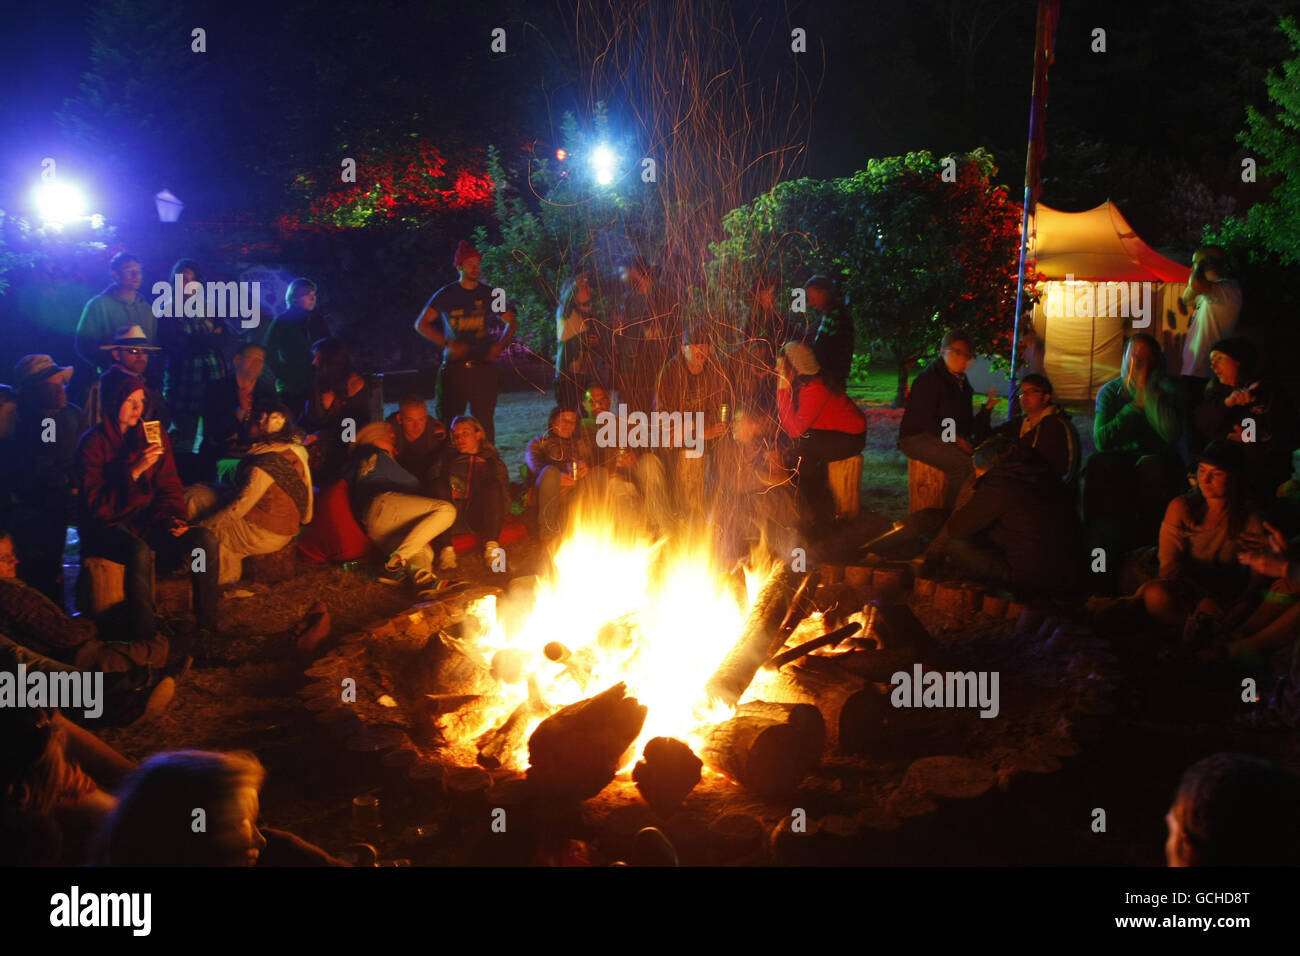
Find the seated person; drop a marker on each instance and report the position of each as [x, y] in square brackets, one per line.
[1136, 467]
[420, 439]
[130, 351]
[227, 404]
[1200, 538]
[272, 497]
[554, 458]
[151, 824]
[595, 400]
[43, 636]
[824, 424]
[756, 499]
[1234, 810]
[1275, 624]
[1043, 429]
[472, 476]
[339, 399]
[1236, 394]
[386, 499]
[939, 408]
[632, 470]
[1018, 528]
[695, 383]
[133, 508]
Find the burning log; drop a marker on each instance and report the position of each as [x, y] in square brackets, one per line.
[766, 629]
[667, 772]
[457, 668]
[496, 746]
[826, 689]
[576, 751]
[807, 647]
[768, 747]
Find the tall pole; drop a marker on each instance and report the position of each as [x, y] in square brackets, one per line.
[1044, 41]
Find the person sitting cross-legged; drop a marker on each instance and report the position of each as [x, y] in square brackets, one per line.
[272, 497]
[386, 499]
[133, 508]
[1018, 528]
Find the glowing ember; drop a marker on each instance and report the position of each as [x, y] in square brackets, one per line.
[659, 616]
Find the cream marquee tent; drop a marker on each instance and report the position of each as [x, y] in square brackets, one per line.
[1102, 284]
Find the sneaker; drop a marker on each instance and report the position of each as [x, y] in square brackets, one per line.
[393, 572]
[447, 559]
[490, 552]
[423, 578]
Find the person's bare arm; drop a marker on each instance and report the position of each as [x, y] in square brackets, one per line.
[429, 325]
[512, 325]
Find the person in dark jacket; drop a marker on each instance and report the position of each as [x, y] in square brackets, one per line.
[823, 423]
[833, 342]
[1136, 467]
[133, 507]
[552, 459]
[192, 346]
[387, 501]
[473, 477]
[44, 474]
[289, 341]
[338, 407]
[1019, 528]
[420, 439]
[939, 425]
[228, 404]
[1044, 430]
[1240, 406]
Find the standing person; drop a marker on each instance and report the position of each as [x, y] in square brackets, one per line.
[824, 424]
[338, 396]
[939, 407]
[694, 383]
[1136, 467]
[1043, 430]
[130, 350]
[644, 336]
[833, 342]
[1216, 303]
[228, 405]
[754, 359]
[45, 476]
[119, 305]
[288, 343]
[581, 360]
[133, 507]
[458, 318]
[193, 350]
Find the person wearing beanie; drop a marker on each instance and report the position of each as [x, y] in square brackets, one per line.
[833, 341]
[695, 380]
[823, 423]
[939, 426]
[463, 320]
[272, 497]
[133, 510]
[1242, 406]
[288, 343]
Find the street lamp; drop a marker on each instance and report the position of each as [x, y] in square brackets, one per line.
[169, 207]
[603, 162]
[59, 203]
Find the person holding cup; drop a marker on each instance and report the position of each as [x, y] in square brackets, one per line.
[559, 460]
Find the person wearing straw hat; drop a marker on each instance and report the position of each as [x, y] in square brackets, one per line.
[129, 350]
[45, 481]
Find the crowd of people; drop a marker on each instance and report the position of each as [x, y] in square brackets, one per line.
[200, 448]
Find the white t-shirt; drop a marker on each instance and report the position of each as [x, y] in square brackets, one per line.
[1215, 318]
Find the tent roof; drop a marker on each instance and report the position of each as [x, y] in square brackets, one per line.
[1097, 245]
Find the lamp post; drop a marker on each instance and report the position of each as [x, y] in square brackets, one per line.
[169, 207]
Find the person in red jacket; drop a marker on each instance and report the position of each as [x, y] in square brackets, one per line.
[133, 507]
[823, 422]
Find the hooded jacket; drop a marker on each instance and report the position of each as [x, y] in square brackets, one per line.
[1053, 440]
[109, 496]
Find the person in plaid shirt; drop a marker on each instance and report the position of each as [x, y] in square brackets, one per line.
[193, 347]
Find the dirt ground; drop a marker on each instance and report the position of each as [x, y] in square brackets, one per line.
[244, 695]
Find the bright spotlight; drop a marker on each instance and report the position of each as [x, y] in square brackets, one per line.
[602, 163]
[59, 202]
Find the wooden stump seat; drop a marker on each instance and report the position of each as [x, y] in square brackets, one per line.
[926, 486]
[845, 478]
